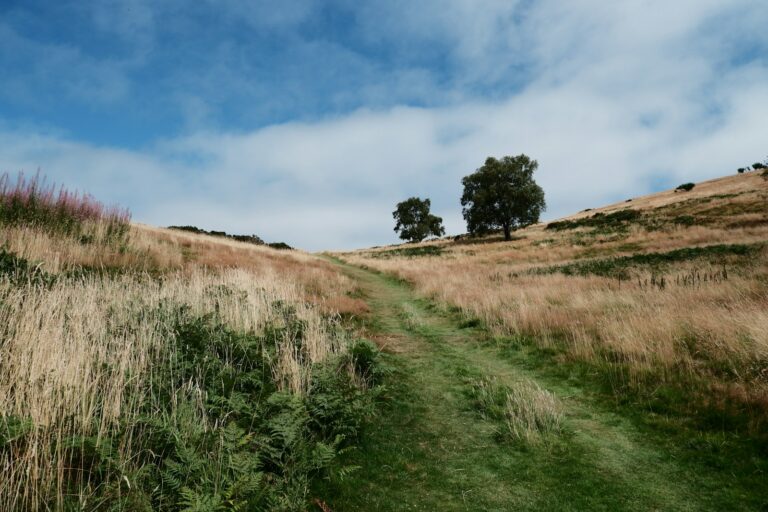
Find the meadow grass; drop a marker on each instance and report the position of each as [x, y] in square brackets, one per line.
[665, 304]
[441, 440]
[167, 371]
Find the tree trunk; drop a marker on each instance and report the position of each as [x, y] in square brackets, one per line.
[507, 233]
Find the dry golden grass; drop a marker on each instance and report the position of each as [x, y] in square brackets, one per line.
[713, 332]
[321, 282]
[78, 356]
[733, 209]
[150, 249]
[531, 413]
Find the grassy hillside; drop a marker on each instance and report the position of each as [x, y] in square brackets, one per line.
[662, 299]
[148, 369]
[611, 360]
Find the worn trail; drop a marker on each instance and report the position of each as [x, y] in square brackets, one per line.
[430, 450]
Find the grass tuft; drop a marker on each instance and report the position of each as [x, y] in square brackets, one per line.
[528, 412]
[531, 413]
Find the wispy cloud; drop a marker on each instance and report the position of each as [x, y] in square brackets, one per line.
[613, 99]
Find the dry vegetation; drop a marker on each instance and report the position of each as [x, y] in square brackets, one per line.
[98, 338]
[693, 315]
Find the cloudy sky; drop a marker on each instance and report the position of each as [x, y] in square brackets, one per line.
[307, 120]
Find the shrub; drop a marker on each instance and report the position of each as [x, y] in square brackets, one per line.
[211, 430]
[618, 267]
[615, 220]
[364, 355]
[685, 187]
[408, 252]
[19, 270]
[191, 229]
[684, 220]
[36, 203]
[249, 239]
[741, 170]
[757, 166]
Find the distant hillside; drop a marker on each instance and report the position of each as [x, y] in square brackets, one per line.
[249, 239]
[731, 208]
[662, 298]
[148, 369]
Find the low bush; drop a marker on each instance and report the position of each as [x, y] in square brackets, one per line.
[33, 202]
[685, 187]
[364, 356]
[619, 267]
[684, 220]
[20, 270]
[249, 239]
[612, 221]
[214, 431]
[409, 252]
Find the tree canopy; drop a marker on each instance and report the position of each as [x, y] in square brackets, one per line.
[415, 222]
[502, 194]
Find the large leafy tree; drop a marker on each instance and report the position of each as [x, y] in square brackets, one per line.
[415, 222]
[502, 195]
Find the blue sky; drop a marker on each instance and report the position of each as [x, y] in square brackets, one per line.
[306, 121]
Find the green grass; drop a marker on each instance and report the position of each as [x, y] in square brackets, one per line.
[213, 431]
[19, 270]
[408, 252]
[619, 267]
[438, 443]
[616, 221]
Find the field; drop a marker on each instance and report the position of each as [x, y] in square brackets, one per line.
[666, 290]
[612, 360]
[655, 308]
[148, 369]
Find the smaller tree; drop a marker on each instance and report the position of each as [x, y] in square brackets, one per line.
[415, 222]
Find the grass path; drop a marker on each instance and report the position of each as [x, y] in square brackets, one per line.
[429, 449]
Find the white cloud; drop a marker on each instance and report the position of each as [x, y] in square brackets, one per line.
[624, 96]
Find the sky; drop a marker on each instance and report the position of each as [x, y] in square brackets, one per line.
[306, 121]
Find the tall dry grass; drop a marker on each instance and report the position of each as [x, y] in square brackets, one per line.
[710, 337]
[81, 353]
[715, 331]
[78, 357]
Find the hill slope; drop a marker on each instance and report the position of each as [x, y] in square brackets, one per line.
[148, 369]
[646, 321]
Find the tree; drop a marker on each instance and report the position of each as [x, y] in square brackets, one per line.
[414, 222]
[502, 195]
